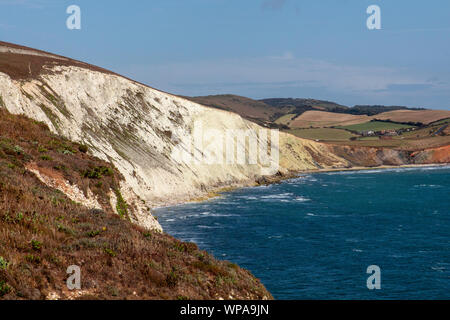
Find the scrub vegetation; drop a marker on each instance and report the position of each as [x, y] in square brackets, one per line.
[43, 232]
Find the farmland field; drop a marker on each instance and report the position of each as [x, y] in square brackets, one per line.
[401, 144]
[326, 119]
[441, 122]
[285, 119]
[321, 119]
[423, 116]
[369, 138]
[375, 126]
[327, 134]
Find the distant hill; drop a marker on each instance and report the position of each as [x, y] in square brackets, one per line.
[299, 106]
[280, 112]
[330, 121]
[420, 116]
[254, 110]
[267, 111]
[303, 105]
[318, 118]
[372, 110]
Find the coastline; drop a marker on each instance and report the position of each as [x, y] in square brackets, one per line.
[313, 210]
[278, 178]
[381, 167]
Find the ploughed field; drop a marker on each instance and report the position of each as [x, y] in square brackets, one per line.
[331, 122]
[407, 135]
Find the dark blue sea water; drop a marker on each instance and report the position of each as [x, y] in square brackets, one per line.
[314, 237]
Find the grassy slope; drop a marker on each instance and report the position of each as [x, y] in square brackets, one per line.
[375, 126]
[248, 108]
[422, 116]
[42, 232]
[302, 105]
[286, 119]
[287, 109]
[291, 115]
[326, 119]
[441, 122]
[415, 140]
[328, 134]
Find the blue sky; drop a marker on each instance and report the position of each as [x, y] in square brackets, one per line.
[257, 48]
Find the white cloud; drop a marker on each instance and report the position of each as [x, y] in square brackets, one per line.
[273, 4]
[283, 69]
[285, 56]
[287, 75]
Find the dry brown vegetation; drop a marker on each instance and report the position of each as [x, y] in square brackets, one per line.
[422, 116]
[329, 119]
[247, 108]
[42, 232]
[24, 66]
[326, 119]
[409, 144]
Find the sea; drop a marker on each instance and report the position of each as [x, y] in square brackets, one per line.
[369, 234]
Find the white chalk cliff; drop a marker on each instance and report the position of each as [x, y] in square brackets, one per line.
[142, 130]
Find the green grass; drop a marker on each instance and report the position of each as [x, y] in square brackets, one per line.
[375, 126]
[4, 288]
[3, 263]
[285, 119]
[441, 122]
[121, 206]
[422, 133]
[368, 138]
[329, 134]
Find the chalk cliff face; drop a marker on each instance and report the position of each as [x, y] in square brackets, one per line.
[168, 149]
[146, 133]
